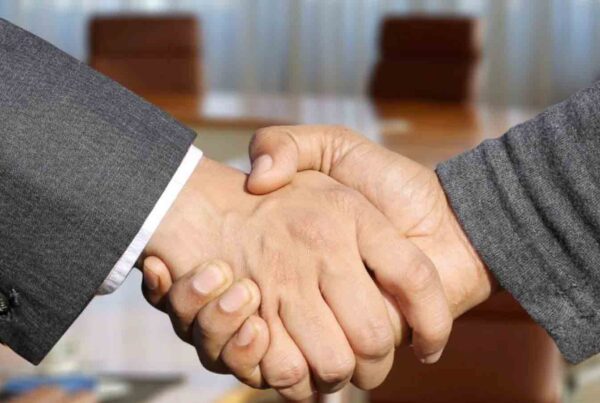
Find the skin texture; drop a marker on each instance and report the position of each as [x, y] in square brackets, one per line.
[230, 341]
[303, 246]
[236, 340]
[407, 193]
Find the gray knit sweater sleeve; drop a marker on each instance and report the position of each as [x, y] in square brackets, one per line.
[530, 203]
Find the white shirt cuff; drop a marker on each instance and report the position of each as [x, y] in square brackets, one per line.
[125, 264]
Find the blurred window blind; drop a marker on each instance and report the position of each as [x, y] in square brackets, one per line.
[536, 51]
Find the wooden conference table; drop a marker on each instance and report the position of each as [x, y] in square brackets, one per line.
[496, 352]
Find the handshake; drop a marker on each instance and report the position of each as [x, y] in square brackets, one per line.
[307, 273]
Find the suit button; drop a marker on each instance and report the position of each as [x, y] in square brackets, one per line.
[4, 304]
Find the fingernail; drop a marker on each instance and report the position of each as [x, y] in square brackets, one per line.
[245, 335]
[262, 164]
[234, 298]
[432, 358]
[208, 280]
[151, 280]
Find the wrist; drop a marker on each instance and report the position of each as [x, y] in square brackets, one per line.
[221, 188]
[482, 283]
[198, 225]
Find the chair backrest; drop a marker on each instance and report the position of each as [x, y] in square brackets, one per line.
[147, 53]
[424, 57]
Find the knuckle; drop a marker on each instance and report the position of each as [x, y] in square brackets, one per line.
[287, 372]
[209, 352]
[257, 140]
[341, 130]
[250, 376]
[176, 306]
[181, 329]
[264, 134]
[205, 322]
[337, 371]
[377, 340]
[419, 277]
[343, 137]
[438, 333]
[261, 133]
[238, 367]
[296, 393]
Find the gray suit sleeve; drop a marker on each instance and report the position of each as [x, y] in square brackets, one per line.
[530, 203]
[82, 163]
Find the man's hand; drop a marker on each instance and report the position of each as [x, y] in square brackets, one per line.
[407, 193]
[231, 332]
[304, 246]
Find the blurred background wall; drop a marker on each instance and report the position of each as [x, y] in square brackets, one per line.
[536, 51]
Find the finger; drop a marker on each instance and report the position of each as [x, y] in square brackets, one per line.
[244, 352]
[278, 152]
[406, 273]
[341, 154]
[157, 282]
[366, 324]
[274, 159]
[399, 325]
[195, 290]
[284, 367]
[219, 320]
[47, 394]
[317, 333]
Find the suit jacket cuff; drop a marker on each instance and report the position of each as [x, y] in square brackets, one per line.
[84, 162]
[127, 261]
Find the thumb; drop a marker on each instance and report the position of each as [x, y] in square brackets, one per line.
[278, 152]
[274, 157]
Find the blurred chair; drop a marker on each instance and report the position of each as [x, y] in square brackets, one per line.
[424, 57]
[147, 54]
[496, 354]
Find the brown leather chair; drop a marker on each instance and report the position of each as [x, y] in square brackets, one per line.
[424, 57]
[496, 354]
[147, 53]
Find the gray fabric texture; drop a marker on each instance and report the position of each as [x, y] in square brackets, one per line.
[82, 163]
[530, 203]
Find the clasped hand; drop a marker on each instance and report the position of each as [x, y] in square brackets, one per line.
[325, 271]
